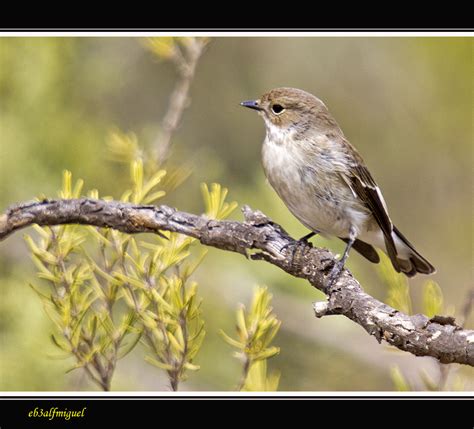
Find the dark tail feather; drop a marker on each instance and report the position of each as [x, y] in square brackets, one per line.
[392, 254]
[415, 262]
[365, 250]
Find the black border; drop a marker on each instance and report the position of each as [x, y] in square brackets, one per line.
[12, 407]
[241, 29]
[369, 411]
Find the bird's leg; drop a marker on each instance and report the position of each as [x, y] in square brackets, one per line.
[302, 240]
[306, 237]
[339, 265]
[300, 244]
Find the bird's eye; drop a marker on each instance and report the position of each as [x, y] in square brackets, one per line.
[277, 109]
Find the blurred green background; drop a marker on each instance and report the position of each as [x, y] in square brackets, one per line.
[405, 103]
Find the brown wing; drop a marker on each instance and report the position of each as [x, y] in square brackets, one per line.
[364, 187]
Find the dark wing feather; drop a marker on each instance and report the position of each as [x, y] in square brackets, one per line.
[363, 185]
[366, 189]
[365, 250]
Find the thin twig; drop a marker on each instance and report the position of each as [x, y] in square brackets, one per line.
[186, 63]
[245, 373]
[467, 307]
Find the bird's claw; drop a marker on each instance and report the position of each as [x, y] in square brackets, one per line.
[297, 249]
[303, 241]
[334, 274]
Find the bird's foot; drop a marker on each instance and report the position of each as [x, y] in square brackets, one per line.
[302, 243]
[334, 274]
[306, 237]
[339, 265]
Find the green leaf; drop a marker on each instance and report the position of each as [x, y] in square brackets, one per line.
[191, 367]
[428, 381]
[256, 329]
[76, 192]
[178, 334]
[77, 366]
[271, 333]
[432, 299]
[399, 380]
[126, 196]
[214, 200]
[66, 191]
[258, 380]
[40, 294]
[92, 326]
[159, 299]
[153, 197]
[398, 288]
[153, 181]
[267, 353]
[136, 171]
[241, 324]
[42, 231]
[231, 341]
[123, 147]
[63, 346]
[93, 193]
[161, 365]
[272, 382]
[99, 236]
[189, 269]
[200, 331]
[106, 276]
[43, 270]
[50, 277]
[128, 298]
[175, 343]
[129, 347]
[163, 47]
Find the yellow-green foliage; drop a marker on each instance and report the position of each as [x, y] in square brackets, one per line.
[432, 299]
[258, 379]
[434, 384]
[398, 287]
[256, 330]
[123, 147]
[108, 290]
[398, 379]
[170, 48]
[216, 206]
[162, 47]
[432, 304]
[399, 291]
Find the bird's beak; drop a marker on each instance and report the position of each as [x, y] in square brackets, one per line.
[251, 104]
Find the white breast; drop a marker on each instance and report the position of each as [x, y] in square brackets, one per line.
[281, 160]
[303, 184]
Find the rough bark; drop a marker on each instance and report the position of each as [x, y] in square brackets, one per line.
[259, 238]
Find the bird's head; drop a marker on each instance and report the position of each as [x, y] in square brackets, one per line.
[291, 108]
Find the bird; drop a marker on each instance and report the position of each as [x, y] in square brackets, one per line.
[325, 183]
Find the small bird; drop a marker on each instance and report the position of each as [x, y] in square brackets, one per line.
[325, 183]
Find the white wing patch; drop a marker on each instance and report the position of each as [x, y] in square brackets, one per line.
[366, 185]
[379, 193]
[348, 183]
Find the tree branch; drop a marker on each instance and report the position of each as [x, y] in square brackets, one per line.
[439, 337]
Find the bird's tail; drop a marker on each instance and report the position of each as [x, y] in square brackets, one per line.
[406, 259]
